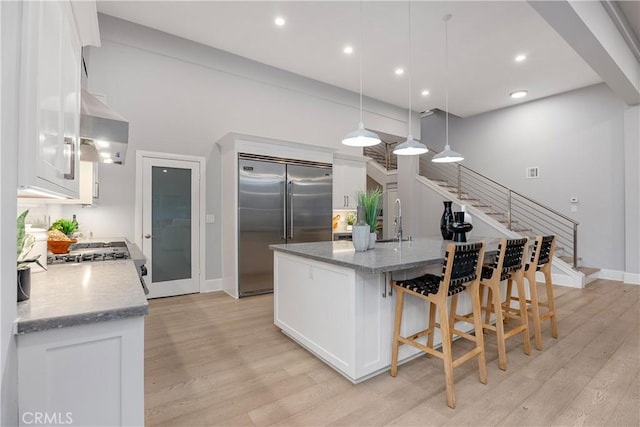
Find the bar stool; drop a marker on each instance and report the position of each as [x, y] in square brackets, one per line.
[508, 265]
[541, 258]
[461, 272]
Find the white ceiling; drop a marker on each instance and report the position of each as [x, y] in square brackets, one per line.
[484, 38]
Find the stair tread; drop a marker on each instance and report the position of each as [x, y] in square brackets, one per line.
[588, 271]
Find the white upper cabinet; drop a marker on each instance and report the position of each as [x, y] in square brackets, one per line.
[50, 101]
[349, 177]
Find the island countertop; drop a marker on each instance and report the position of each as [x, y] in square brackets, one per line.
[76, 294]
[385, 257]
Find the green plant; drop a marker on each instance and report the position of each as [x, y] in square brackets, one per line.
[65, 226]
[371, 200]
[351, 218]
[24, 244]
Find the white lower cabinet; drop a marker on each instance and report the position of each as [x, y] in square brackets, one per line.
[83, 375]
[343, 316]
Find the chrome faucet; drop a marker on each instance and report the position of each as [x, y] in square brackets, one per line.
[397, 220]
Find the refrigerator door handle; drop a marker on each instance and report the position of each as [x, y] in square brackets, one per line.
[284, 212]
[291, 209]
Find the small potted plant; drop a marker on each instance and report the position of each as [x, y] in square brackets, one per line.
[67, 227]
[371, 200]
[61, 235]
[24, 245]
[350, 219]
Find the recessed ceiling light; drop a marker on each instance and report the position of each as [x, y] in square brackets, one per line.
[521, 58]
[425, 92]
[399, 71]
[279, 21]
[518, 94]
[348, 50]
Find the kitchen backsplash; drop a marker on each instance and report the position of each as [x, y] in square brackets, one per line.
[43, 215]
[340, 220]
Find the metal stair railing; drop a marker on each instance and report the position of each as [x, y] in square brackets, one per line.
[383, 155]
[516, 211]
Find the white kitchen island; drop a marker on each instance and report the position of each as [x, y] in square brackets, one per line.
[339, 305]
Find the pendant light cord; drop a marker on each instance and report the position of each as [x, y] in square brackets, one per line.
[410, 69]
[360, 58]
[446, 76]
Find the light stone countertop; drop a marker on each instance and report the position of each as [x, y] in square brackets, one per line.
[82, 293]
[421, 252]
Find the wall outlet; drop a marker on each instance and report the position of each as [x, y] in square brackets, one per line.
[210, 218]
[574, 208]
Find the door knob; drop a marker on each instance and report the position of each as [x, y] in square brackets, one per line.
[148, 236]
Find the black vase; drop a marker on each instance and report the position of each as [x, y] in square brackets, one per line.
[24, 284]
[459, 228]
[447, 218]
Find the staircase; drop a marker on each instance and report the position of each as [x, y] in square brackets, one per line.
[513, 210]
[517, 212]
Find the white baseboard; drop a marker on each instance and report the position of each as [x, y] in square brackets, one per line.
[632, 278]
[611, 275]
[211, 285]
[230, 294]
[562, 280]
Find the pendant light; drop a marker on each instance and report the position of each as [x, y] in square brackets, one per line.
[448, 155]
[410, 147]
[361, 137]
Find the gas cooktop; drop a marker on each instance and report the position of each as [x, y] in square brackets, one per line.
[89, 252]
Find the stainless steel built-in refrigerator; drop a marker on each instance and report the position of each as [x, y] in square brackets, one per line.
[279, 201]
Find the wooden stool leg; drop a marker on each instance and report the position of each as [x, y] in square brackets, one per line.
[487, 313]
[452, 315]
[509, 293]
[396, 330]
[524, 318]
[477, 323]
[550, 301]
[535, 306]
[432, 322]
[497, 309]
[447, 356]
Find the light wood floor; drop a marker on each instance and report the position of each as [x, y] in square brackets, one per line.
[213, 360]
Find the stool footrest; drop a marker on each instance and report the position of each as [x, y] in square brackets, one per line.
[463, 335]
[467, 356]
[422, 347]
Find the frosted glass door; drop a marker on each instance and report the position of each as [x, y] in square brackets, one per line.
[170, 237]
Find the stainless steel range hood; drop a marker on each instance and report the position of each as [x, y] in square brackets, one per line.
[104, 134]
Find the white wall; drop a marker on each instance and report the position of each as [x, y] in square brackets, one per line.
[181, 97]
[10, 12]
[632, 193]
[578, 140]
